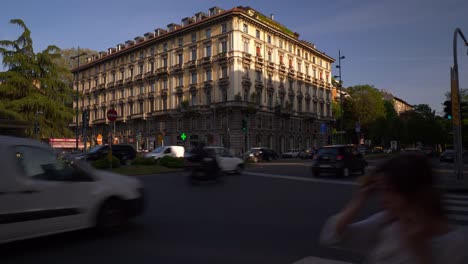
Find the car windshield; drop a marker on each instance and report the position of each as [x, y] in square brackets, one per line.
[95, 149]
[328, 151]
[158, 150]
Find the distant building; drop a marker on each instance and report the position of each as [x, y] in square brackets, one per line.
[399, 104]
[206, 75]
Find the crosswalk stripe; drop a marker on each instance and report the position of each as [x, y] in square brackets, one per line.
[457, 208]
[451, 201]
[458, 217]
[456, 196]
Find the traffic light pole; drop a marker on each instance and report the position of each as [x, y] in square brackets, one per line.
[457, 130]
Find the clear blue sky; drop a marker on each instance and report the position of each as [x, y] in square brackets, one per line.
[403, 46]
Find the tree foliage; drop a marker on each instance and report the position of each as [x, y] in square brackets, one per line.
[33, 83]
[366, 104]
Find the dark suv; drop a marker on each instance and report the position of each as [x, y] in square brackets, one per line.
[121, 151]
[261, 154]
[341, 160]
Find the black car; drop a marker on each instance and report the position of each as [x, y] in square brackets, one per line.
[121, 151]
[341, 160]
[307, 154]
[261, 154]
[447, 156]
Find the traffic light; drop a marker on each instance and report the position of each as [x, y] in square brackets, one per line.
[244, 125]
[448, 109]
[85, 118]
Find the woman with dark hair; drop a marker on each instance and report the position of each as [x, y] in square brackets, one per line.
[412, 228]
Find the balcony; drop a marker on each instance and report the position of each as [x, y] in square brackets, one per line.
[119, 82]
[101, 86]
[130, 99]
[113, 102]
[271, 65]
[246, 81]
[151, 95]
[300, 75]
[128, 80]
[162, 71]
[222, 57]
[176, 68]
[308, 78]
[110, 85]
[259, 84]
[223, 81]
[205, 61]
[282, 68]
[259, 60]
[103, 104]
[141, 97]
[138, 77]
[246, 58]
[191, 64]
[291, 72]
[208, 84]
[150, 75]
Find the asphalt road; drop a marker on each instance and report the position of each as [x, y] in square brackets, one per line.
[244, 219]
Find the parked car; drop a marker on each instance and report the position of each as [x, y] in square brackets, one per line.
[261, 154]
[341, 160]
[307, 154]
[292, 153]
[42, 195]
[226, 161]
[377, 150]
[123, 152]
[429, 151]
[162, 151]
[363, 150]
[415, 150]
[447, 156]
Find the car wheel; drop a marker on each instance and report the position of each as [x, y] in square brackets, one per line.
[239, 169]
[255, 159]
[315, 173]
[111, 216]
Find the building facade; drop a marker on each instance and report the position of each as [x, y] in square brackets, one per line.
[233, 78]
[399, 105]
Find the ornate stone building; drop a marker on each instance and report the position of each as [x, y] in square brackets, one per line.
[203, 77]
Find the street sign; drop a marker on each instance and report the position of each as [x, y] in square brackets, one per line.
[112, 115]
[358, 127]
[323, 128]
[183, 136]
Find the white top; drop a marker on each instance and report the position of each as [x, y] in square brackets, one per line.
[379, 238]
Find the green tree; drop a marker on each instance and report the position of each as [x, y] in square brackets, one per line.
[366, 104]
[32, 83]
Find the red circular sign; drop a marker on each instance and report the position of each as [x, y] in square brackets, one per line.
[112, 115]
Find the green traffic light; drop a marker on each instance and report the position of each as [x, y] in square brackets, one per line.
[449, 117]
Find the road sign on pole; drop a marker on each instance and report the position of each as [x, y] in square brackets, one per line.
[112, 115]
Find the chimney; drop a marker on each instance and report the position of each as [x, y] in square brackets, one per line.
[173, 26]
[129, 43]
[149, 35]
[102, 54]
[110, 50]
[214, 11]
[159, 31]
[187, 21]
[200, 16]
[120, 47]
[272, 17]
[139, 39]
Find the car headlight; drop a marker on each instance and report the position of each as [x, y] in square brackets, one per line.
[251, 155]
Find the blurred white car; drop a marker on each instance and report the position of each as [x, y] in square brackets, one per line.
[41, 195]
[162, 151]
[226, 161]
[292, 153]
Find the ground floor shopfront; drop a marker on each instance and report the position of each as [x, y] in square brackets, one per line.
[220, 125]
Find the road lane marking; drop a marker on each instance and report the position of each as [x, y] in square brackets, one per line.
[455, 196]
[458, 217]
[456, 208]
[295, 178]
[451, 201]
[315, 260]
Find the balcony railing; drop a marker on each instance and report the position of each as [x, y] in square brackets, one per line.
[222, 57]
[162, 71]
[205, 60]
[129, 80]
[176, 68]
[300, 75]
[223, 81]
[191, 64]
[246, 57]
[101, 86]
[149, 74]
[138, 77]
[110, 84]
[119, 82]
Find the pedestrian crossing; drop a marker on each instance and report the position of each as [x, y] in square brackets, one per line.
[456, 206]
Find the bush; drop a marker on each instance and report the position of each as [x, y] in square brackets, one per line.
[104, 163]
[144, 161]
[171, 162]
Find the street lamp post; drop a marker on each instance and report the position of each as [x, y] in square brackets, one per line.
[341, 91]
[36, 123]
[77, 92]
[455, 94]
